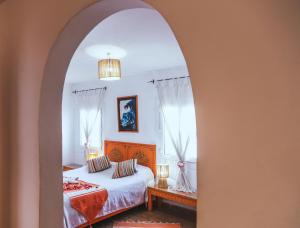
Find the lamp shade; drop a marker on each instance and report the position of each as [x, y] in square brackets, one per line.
[92, 153]
[163, 170]
[109, 69]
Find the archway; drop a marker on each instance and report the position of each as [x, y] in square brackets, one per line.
[50, 103]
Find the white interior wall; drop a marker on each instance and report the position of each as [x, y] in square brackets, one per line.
[148, 111]
[67, 125]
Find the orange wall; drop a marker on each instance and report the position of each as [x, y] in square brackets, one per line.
[244, 62]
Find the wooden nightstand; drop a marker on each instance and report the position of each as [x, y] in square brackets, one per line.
[189, 199]
[71, 166]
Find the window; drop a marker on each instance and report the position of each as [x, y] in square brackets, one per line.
[89, 119]
[187, 123]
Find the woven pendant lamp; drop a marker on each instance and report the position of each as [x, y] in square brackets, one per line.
[109, 69]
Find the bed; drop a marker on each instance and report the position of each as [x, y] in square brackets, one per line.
[123, 193]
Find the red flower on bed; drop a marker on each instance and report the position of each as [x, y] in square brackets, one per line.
[79, 185]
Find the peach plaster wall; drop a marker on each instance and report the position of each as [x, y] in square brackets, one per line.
[35, 26]
[4, 118]
[244, 61]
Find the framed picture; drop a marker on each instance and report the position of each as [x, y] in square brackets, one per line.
[128, 114]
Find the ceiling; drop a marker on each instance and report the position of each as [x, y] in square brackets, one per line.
[143, 34]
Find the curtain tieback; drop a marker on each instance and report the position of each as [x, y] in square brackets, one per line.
[86, 145]
[180, 164]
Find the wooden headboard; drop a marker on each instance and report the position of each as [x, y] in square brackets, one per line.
[121, 151]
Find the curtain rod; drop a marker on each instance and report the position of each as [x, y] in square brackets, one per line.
[167, 79]
[86, 90]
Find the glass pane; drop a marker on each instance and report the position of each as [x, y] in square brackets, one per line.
[90, 119]
[187, 124]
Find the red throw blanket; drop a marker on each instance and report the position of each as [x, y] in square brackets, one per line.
[89, 204]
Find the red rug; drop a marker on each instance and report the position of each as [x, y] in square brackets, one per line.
[144, 224]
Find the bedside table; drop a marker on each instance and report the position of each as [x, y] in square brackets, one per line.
[189, 199]
[71, 166]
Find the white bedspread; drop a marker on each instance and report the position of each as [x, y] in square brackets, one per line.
[122, 192]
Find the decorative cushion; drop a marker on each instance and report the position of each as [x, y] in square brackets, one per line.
[125, 168]
[135, 165]
[98, 164]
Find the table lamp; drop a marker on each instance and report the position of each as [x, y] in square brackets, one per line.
[92, 153]
[162, 174]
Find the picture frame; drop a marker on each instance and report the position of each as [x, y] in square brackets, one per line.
[128, 113]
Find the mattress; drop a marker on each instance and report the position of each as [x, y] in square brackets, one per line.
[123, 192]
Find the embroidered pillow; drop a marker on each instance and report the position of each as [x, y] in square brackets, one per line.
[98, 164]
[125, 168]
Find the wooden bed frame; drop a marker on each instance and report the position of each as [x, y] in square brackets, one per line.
[121, 151]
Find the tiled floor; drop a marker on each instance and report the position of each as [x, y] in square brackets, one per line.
[166, 213]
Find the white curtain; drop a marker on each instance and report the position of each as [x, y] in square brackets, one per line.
[175, 95]
[91, 102]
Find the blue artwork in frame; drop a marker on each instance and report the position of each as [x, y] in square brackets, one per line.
[128, 114]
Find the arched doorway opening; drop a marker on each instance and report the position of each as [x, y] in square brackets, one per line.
[51, 98]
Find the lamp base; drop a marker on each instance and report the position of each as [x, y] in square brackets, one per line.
[162, 183]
